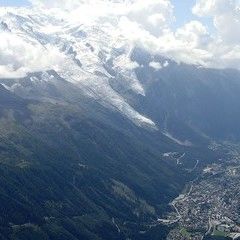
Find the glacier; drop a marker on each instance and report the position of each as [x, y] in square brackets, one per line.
[89, 55]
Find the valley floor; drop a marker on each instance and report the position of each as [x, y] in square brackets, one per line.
[211, 204]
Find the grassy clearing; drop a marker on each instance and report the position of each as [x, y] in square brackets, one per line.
[185, 233]
[219, 233]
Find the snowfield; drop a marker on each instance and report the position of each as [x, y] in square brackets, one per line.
[89, 55]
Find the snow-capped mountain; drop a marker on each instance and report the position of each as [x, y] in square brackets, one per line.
[93, 57]
[95, 61]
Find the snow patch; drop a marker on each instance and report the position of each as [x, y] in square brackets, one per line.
[156, 65]
[185, 143]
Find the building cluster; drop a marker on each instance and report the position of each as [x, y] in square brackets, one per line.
[211, 206]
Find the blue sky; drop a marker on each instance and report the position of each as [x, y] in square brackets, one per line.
[183, 13]
[13, 2]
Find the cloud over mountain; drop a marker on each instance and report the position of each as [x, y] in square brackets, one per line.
[147, 24]
[18, 56]
[226, 19]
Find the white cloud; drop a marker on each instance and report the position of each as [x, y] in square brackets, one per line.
[138, 22]
[153, 15]
[225, 46]
[18, 57]
[156, 65]
[66, 4]
[166, 64]
[193, 34]
[212, 7]
[226, 17]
